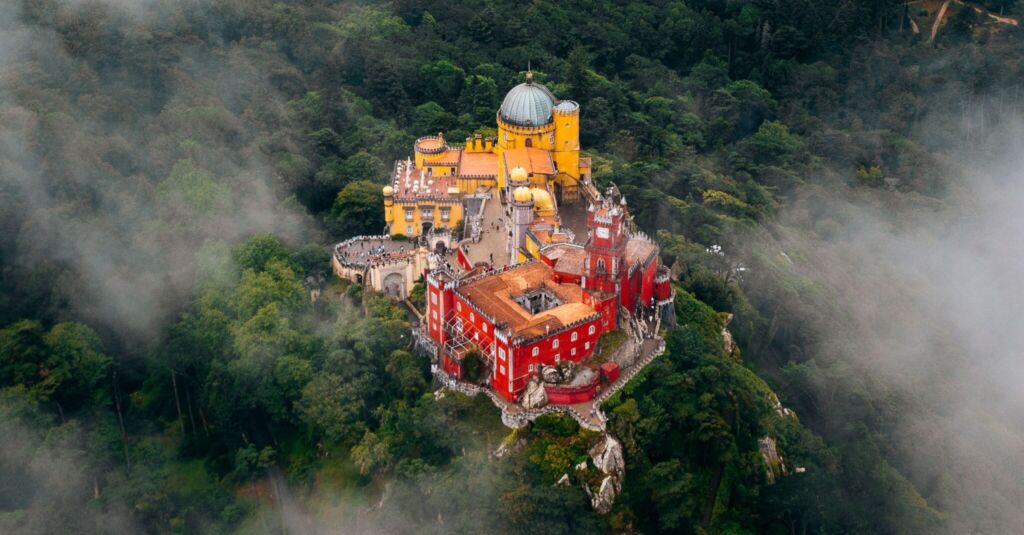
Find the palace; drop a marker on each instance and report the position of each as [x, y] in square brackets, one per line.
[526, 263]
[538, 147]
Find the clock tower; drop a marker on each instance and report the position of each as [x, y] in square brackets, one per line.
[604, 266]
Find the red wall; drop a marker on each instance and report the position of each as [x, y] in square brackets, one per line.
[566, 395]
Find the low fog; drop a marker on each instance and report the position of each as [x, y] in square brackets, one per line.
[85, 190]
[915, 304]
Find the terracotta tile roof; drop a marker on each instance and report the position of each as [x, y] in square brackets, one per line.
[448, 158]
[568, 258]
[493, 295]
[476, 164]
[532, 159]
[639, 250]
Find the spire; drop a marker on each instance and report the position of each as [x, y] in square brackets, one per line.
[529, 73]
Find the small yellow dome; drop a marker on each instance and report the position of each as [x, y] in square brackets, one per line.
[519, 175]
[388, 191]
[522, 193]
[542, 200]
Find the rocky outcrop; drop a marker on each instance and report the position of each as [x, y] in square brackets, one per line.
[510, 445]
[728, 343]
[535, 396]
[550, 374]
[775, 466]
[605, 497]
[607, 457]
[563, 481]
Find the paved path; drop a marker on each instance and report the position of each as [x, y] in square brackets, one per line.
[493, 242]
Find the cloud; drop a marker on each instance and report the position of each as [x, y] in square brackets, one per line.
[917, 305]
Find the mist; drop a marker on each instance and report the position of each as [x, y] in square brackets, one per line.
[89, 206]
[914, 305]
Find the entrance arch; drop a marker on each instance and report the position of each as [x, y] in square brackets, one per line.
[394, 285]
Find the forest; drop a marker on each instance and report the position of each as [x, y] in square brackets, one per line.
[832, 180]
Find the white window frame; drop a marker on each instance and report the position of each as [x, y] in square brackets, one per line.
[536, 351]
[501, 369]
[558, 357]
[586, 346]
[433, 298]
[573, 352]
[501, 354]
[484, 327]
[592, 329]
[458, 306]
[575, 336]
[554, 344]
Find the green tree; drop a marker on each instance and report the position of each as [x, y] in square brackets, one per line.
[358, 210]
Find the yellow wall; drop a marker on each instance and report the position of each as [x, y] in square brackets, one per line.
[567, 142]
[395, 216]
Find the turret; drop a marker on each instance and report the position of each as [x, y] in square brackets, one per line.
[522, 216]
[389, 204]
[566, 115]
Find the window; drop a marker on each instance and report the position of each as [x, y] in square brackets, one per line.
[408, 214]
[592, 329]
[476, 336]
[586, 346]
[408, 230]
[458, 306]
[554, 344]
[453, 172]
[501, 369]
[472, 317]
[433, 298]
[551, 139]
[433, 314]
[573, 351]
[536, 351]
[484, 327]
[533, 367]
[446, 214]
[501, 354]
[427, 213]
[558, 358]
[575, 335]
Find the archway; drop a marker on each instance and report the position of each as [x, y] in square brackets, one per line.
[394, 286]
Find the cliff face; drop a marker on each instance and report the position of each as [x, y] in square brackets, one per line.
[607, 457]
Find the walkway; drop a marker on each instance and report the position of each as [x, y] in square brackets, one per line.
[493, 245]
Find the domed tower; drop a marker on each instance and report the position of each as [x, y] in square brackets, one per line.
[525, 117]
[522, 216]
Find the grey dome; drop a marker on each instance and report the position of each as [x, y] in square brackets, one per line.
[528, 104]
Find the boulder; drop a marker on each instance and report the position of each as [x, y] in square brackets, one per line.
[607, 457]
[550, 374]
[604, 499]
[563, 481]
[535, 396]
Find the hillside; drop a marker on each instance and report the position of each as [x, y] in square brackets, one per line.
[843, 186]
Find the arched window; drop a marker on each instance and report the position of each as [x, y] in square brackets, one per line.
[529, 142]
[591, 330]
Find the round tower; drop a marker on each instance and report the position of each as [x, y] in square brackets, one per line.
[522, 216]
